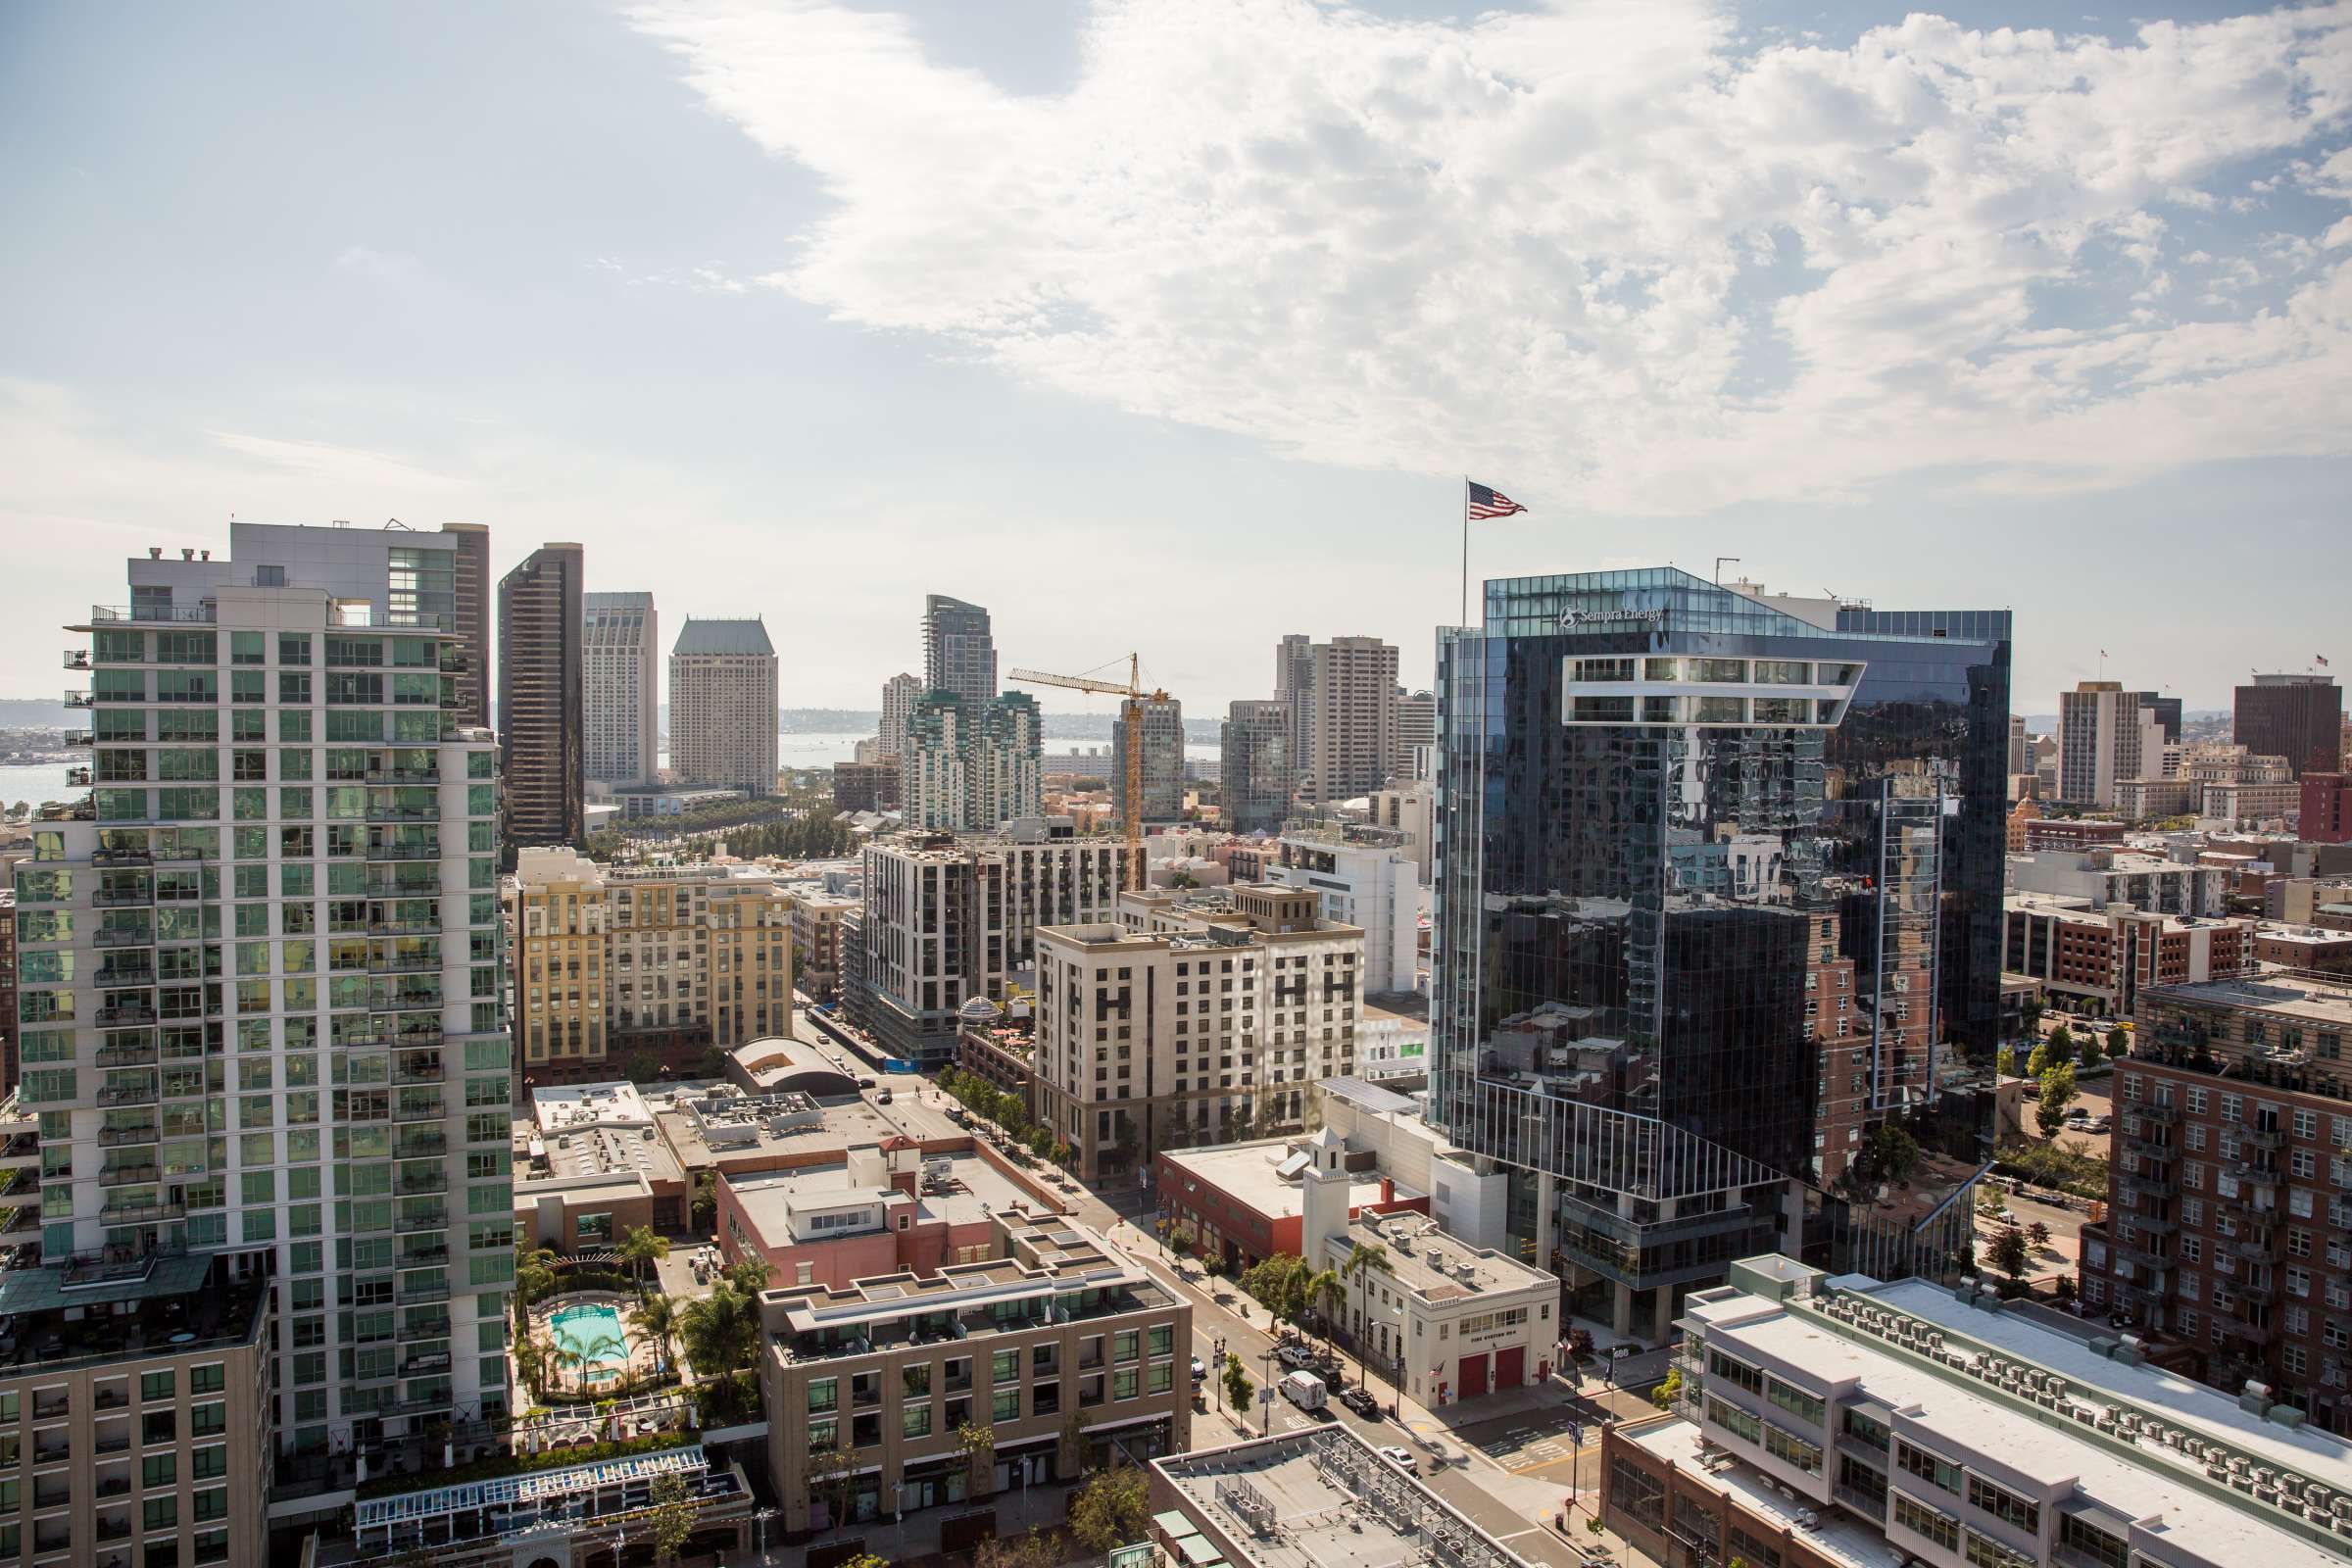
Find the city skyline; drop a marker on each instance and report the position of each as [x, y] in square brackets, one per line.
[689, 245]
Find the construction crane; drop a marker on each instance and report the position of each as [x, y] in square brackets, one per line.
[1132, 716]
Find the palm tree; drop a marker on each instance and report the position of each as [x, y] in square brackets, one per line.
[657, 1318]
[532, 1364]
[639, 1247]
[534, 1277]
[1362, 1258]
[749, 1274]
[565, 1359]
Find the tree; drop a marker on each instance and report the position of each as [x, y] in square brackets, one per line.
[672, 1519]
[2038, 1061]
[1182, 880]
[640, 1247]
[1368, 1257]
[1033, 1549]
[1041, 1142]
[2057, 1093]
[2119, 1041]
[534, 1276]
[532, 1364]
[2038, 1234]
[1667, 1392]
[2066, 1290]
[2008, 1251]
[1110, 1509]
[657, 1319]
[1237, 1387]
[2088, 1053]
[721, 1334]
[833, 1481]
[705, 1202]
[749, 1274]
[979, 1446]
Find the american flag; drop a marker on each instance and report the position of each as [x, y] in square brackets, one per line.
[1486, 503]
[2323, 659]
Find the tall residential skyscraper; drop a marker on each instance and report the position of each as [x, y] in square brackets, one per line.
[471, 594]
[262, 999]
[2299, 718]
[899, 695]
[1718, 898]
[960, 654]
[2106, 734]
[723, 716]
[967, 768]
[542, 701]
[1416, 733]
[1293, 688]
[1255, 775]
[1352, 717]
[1163, 761]
[621, 647]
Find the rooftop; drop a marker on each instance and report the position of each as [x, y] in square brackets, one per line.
[1251, 1174]
[740, 638]
[716, 1126]
[1835, 1534]
[953, 1189]
[1315, 1499]
[1438, 1268]
[163, 1305]
[2303, 998]
[564, 1107]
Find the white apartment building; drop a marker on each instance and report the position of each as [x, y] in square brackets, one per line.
[1351, 719]
[1192, 1018]
[1845, 1423]
[722, 706]
[260, 966]
[1416, 735]
[899, 695]
[1408, 810]
[946, 919]
[621, 655]
[1365, 877]
[2151, 882]
[2106, 734]
[970, 768]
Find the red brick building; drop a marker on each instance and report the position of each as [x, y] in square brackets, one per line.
[1242, 1202]
[2327, 809]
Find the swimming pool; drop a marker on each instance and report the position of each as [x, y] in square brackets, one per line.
[592, 1332]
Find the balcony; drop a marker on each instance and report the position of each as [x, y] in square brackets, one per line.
[423, 1295]
[404, 813]
[114, 1530]
[2155, 1115]
[116, 1441]
[150, 614]
[143, 1094]
[77, 699]
[2239, 1329]
[403, 852]
[123, 1017]
[383, 887]
[421, 1365]
[118, 1399]
[419, 965]
[116, 1137]
[79, 737]
[130, 1175]
[436, 1220]
[409, 1113]
[403, 775]
[78, 658]
[2254, 1244]
[421, 1144]
[420, 1184]
[77, 778]
[114, 1486]
[432, 1254]
[432, 1073]
[116, 935]
[2151, 1186]
[153, 1211]
[2158, 1225]
[52, 1453]
[128, 1055]
[118, 898]
[404, 928]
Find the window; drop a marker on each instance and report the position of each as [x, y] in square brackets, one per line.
[1796, 1402]
[1863, 1427]
[1936, 1472]
[1006, 1367]
[1720, 1365]
[1006, 1405]
[1792, 1450]
[2005, 1505]
[1634, 1492]
[1735, 1420]
[1123, 1383]
[1926, 1523]
[2092, 1541]
[1987, 1552]
[824, 1393]
[156, 1386]
[914, 1421]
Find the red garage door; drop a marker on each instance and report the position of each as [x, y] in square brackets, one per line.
[1473, 1379]
[1510, 1367]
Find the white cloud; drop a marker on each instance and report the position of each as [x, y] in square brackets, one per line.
[1606, 252]
[352, 468]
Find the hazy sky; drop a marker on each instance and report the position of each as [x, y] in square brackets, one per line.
[1174, 323]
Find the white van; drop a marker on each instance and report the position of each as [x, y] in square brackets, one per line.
[1304, 1390]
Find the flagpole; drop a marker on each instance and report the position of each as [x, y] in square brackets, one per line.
[1465, 549]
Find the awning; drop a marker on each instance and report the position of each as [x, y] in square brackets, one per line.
[43, 1290]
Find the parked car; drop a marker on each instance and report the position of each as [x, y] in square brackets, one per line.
[1361, 1402]
[1295, 1355]
[1402, 1459]
[1200, 1370]
[883, 1098]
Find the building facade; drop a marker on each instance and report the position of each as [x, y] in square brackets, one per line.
[471, 593]
[960, 650]
[899, 695]
[970, 768]
[723, 716]
[1735, 904]
[622, 652]
[1365, 877]
[2324, 806]
[262, 977]
[1063, 1346]
[1255, 774]
[2105, 735]
[2229, 1229]
[1162, 767]
[1416, 735]
[2300, 718]
[946, 920]
[1293, 688]
[613, 961]
[2098, 959]
[542, 698]
[1351, 718]
[1191, 1019]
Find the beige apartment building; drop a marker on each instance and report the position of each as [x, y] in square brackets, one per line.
[609, 961]
[1193, 1018]
[1061, 1344]
[722, 706]
[134, 1414]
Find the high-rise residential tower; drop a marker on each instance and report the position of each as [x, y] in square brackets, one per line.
[971, 768]
[472, 594]
[621, 647]
[1163, 761]
[1718, 901]
[1352, 717]
[262, 1004]
[1416, 734]
[723, 716]
[2106, 735]
[960, 653]
[1255, 775]
[1293, 688]
[2299, 718]
[899, 695]
[542, 701]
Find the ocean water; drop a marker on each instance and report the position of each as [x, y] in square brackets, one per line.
[35, 782]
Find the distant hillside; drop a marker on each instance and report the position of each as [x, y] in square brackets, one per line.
[34, 712]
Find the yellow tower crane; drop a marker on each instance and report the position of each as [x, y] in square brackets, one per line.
[1131, 714]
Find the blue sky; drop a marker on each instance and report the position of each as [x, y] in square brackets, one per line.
[1174, 325]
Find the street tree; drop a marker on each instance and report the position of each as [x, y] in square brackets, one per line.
[1110, 1509]
[2057, 1093]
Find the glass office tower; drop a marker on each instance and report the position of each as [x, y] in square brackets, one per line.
[1718, 917]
